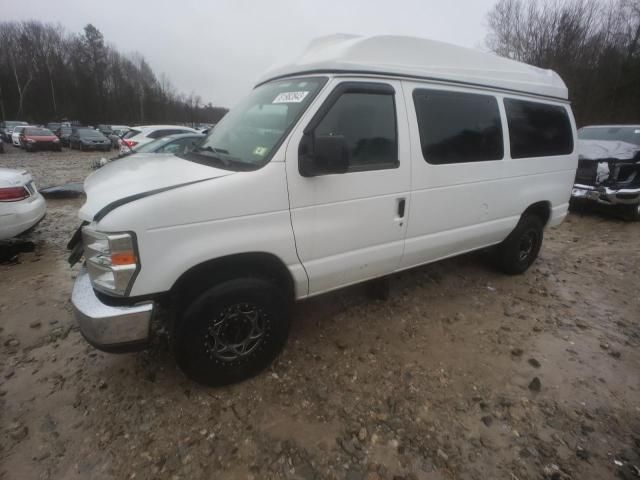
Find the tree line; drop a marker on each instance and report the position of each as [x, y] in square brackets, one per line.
[593, 44]
[48, 74]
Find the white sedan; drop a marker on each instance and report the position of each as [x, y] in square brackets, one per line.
[15, 136]
[21, 205]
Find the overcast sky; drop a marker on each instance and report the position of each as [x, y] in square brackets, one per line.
[219, 48]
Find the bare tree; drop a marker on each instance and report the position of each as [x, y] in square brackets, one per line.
[592, 44]
[47, 73]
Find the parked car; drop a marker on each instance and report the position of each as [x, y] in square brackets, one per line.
[104, 129]
[6, 129]
[609, 168]
[35, 138]
[175, 144]
[148, 133]
[1, 146]
[53, 126]
[88, 139]
[63, 133]
[21, 206]
[358, 161]
[117, 132]
[16, 135]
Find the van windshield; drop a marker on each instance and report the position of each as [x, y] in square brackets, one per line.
[247, 136]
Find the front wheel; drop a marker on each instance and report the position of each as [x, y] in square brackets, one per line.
[631, 212]
[232, 331]
[520, 249]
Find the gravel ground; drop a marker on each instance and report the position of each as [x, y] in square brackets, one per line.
[462, 373]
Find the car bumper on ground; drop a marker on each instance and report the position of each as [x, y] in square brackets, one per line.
[96, 146]
[110, 328]
[606, 195]
[18, 217]
[44, 146]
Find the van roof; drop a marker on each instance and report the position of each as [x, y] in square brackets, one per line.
[420, 58]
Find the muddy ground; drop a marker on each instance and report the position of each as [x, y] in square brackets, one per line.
[437, 382]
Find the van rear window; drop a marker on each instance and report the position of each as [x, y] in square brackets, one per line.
[457, 127]
[538, 129]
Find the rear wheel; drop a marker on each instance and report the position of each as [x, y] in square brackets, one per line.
[520, 249]
[232, 331]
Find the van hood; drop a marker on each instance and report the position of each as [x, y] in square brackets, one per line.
[137, 176]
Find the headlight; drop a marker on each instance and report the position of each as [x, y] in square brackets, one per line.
[30, 140]
[56, 140]
[112, 261]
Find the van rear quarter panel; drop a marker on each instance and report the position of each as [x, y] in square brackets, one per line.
[178, 229]
[460, 207]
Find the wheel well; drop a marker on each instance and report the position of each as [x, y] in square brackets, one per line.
[198, 278]
[540, 209]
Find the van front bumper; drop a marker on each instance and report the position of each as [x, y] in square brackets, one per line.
[109, 328]
[606, 195]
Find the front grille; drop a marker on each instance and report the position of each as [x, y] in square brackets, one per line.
[587, 172]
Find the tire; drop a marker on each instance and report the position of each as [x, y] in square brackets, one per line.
[206, 357]
[520, 249]
[631, 212]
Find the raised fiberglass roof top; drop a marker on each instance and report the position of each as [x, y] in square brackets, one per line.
[418, 57]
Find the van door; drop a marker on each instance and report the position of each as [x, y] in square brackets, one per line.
[350, 226]
[460, 184]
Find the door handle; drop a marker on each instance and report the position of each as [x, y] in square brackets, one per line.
[401, 205]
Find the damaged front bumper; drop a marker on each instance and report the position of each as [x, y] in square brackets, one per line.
[110, 328]
[606, 195]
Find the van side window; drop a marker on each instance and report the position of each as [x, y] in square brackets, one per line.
[538, 129]
[367, 121]
[458, 127]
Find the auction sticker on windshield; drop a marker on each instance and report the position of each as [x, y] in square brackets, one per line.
[260, 151]
[290, 97]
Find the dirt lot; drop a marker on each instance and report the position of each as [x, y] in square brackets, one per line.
[437, 382]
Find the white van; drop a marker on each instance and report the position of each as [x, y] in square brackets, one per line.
[365, 157]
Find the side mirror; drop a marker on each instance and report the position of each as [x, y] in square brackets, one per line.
[323, 155]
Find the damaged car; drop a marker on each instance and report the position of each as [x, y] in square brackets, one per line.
[609, 168]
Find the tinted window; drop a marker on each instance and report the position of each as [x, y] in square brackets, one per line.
[458, 127]
[367, 121]
[89, 133]
[131, 133]
[160, 133]
[538, 129]
[38, 132]
[182, 145]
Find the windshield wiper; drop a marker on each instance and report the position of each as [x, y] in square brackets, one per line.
[213, 150]
[227, 162]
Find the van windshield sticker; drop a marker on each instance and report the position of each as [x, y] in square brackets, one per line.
[290, 97]
[637, 131]
[260, 151]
